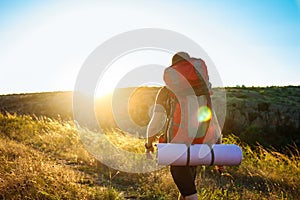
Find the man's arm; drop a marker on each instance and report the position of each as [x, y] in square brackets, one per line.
[158, 119]
[155, 126]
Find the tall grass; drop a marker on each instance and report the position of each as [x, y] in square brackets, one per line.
[43, 158]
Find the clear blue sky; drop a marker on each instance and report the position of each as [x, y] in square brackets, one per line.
[44, 43]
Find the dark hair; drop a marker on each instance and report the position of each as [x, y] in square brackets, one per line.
[180, 56]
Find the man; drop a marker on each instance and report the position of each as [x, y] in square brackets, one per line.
[183, 176]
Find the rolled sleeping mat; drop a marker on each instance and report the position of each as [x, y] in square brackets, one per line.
[198, 154]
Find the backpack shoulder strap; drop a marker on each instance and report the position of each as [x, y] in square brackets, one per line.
[169, 105]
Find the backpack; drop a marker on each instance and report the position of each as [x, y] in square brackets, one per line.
[189, 113]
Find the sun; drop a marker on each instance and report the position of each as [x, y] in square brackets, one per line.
[105, 87]
[109, 80]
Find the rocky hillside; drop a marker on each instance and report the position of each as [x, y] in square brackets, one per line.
[265, 115]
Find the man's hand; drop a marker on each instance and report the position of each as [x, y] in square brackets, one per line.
[149, 149]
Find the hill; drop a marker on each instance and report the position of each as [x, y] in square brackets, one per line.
[268, 115]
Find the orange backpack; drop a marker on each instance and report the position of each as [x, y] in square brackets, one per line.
[190, 103]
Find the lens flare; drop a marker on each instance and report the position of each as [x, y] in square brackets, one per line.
[204, 114]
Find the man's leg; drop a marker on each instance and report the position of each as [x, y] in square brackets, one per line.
[184, 178]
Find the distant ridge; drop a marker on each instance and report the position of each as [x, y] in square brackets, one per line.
[268, 115]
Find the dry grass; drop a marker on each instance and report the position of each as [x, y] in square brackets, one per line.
[42, 158]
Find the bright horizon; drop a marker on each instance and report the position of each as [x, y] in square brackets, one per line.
[44, 44]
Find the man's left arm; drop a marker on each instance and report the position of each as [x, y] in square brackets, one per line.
[156, 124]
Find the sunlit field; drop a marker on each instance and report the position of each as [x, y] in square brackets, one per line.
[43, 158]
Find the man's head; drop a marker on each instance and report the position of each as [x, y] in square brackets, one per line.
[180, 56]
